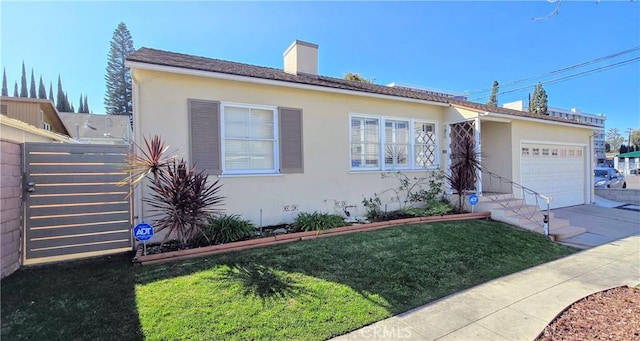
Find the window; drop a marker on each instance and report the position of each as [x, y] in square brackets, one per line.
[381, 143]
[525, 151]
[425, 145]
[3, 109]
[396, 144]
[249, 139]
[365, 142]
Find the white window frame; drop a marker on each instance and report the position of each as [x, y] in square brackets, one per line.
[223, 139]
[382, 138]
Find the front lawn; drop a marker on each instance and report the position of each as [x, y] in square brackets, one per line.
[309, 290]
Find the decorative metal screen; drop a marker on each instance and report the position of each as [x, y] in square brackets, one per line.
[459, 133]
[425, 144]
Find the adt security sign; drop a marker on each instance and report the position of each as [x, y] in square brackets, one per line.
[143, 232]
[473, 199]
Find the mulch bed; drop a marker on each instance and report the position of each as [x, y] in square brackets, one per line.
[612, 314]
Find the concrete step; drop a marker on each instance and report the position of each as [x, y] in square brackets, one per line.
[507, 209]
[525, 211]
[566, 232]
[554, 224]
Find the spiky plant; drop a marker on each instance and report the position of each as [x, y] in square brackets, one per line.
[464, 169]
[145, 160]
[183, 199]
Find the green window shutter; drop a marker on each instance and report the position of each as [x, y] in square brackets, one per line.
[290, 134]
[204, 135]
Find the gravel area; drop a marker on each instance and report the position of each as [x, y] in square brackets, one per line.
[612, 314]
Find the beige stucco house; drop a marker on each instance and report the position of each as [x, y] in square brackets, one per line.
[290, 140]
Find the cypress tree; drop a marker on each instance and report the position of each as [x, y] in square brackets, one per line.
[5, 91]
[493, 98]
[118, 79]
[42, 91]
[67, 105]
[60, 102]
[80, 108]
[15, 90]
[23, 83]
[51, 93]
[86, 105]
[32, 89]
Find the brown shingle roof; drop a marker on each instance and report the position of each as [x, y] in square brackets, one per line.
[173, 59]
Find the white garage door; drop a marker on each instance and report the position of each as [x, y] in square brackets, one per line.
[554, 170]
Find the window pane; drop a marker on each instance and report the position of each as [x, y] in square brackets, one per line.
[263, 148]
[262, 116]
[261, 124]
[236, 155]
[371, 130]
[365, 145]
[236, 147]
[261, 163]
[236, 122]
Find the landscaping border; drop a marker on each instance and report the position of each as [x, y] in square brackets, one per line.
[292, 237]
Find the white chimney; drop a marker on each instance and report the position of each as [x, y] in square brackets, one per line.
[301, 58]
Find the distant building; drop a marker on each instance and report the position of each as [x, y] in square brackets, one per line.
[597, 120]
[97, 129]
[433, 92]
[40, 113]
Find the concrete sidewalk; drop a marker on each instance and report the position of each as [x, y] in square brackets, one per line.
[518, 306]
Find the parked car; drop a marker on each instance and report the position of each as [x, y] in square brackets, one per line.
[608, 178]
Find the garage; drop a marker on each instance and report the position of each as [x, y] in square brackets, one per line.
[555, 170]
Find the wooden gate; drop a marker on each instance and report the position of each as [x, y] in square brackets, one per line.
[73, 205]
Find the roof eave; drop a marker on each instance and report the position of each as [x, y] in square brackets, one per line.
[265, 81]
[524, 118]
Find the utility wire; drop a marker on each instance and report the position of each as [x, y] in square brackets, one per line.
[575, 75]
[545, 74]
[554, 12]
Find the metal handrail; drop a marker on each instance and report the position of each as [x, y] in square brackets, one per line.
[514, 187]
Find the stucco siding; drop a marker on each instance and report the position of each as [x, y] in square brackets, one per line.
[496, 153]
[162, 109]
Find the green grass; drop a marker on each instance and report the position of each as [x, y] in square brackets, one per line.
[308, 290]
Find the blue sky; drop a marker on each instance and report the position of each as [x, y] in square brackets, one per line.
[452, 46]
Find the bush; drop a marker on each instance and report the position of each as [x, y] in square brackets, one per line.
[432, 209]
[226, 229]
[317, 221]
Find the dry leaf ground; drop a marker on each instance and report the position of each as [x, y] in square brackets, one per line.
[612, 314]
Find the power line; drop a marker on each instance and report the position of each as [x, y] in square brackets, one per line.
[575, 66]
[554, 12]
[575, 75]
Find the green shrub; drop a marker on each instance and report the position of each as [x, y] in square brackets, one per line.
[373, 206]
[439, 208]
[434, 208]
[226, 229]
[317, 221]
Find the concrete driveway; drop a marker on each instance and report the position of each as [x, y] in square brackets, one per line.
[603, 224]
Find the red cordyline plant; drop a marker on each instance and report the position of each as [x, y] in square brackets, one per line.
[182, 199]
[464, 167]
